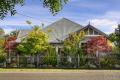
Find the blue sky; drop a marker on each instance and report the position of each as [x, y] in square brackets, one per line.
[103, 14]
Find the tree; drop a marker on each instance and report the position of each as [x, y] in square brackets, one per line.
[8, 6]
[73, 49]
[10, 44]
[71, 44]
[36, 42]
[2, 55]
[2, 32]
[98, 44]
[115, 38]
[2, 39]
[2, 51]
[14, 33]
[117, 32]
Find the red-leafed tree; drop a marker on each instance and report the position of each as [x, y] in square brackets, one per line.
[10, 43]
[99, 44]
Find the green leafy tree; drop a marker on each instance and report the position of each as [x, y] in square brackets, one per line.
[71, 44]
[14, 33]
[2, 41]
[118, 37]
[36, 42]
[73, 49]
[115, 38]
[2, 32]
[112, 37]
[8, 6]
[2, 55]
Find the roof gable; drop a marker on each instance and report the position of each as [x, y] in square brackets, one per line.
[61, 28]
[22, 34]
[93, 28]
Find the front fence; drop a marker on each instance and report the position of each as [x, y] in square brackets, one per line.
[61, 62]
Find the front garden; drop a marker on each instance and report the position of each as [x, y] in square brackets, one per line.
[34, 51]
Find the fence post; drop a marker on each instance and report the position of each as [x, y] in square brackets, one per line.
[58, 60]
[78, 60]
[37, 61]
[18, 61]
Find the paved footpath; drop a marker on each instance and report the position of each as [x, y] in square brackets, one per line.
[80, 75]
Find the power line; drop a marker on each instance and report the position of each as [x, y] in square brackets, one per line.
[32, 17]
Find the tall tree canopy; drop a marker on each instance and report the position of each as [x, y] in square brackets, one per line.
[2, 39]
[115, 38]
[14, 33]
[71, 44]
[8, 6]
[34, 43]
[1, 32]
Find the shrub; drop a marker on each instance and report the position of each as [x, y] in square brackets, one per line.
[2, 55]
[51, 57]
[108, 61]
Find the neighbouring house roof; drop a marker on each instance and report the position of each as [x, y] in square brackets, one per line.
[60, 30]
[22, 34]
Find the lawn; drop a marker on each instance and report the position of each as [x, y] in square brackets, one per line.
[38, 70]
[52, 70]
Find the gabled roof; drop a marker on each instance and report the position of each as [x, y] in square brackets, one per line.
[22, 34]
[92, 27]
[61, 28]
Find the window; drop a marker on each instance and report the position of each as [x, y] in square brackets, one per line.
[84, 47]
[86, 31]
[90, 31]
[96, 33]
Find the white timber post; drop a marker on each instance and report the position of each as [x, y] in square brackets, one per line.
[57, 55]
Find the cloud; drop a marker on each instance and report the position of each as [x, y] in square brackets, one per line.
[105, 25]
[80, 11]
[107, 22]
[114, 15]
[7, 31]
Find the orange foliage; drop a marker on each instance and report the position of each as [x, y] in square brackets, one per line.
[10, 43]
[98, 44]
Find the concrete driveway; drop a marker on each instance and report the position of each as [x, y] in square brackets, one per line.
[80, 75]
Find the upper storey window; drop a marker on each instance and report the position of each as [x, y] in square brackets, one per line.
[89, 31]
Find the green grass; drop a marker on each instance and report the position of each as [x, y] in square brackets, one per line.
[37, 70]
[49, 70]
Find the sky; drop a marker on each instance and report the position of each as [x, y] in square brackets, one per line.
[102, 14]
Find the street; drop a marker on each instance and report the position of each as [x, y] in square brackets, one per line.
[80, 75]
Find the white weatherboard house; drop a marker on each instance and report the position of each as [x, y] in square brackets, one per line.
[60, 31]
